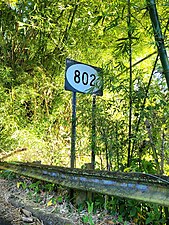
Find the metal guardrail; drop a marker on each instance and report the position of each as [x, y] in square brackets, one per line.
[138, 186]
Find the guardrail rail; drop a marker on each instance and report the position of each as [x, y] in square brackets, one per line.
[138, 186]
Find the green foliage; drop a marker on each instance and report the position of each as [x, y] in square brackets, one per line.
[155, 216]
[7, 174]
[87, 219]
[37, 186]
[129, 210]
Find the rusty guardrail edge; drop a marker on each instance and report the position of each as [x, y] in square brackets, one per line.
[138, 186]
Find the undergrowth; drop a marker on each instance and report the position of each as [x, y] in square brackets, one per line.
[121, 210]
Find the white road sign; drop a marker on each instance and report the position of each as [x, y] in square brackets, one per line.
[80, 77]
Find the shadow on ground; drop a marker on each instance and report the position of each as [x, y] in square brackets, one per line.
[4, 222]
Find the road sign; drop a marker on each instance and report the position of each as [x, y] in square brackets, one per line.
[83, 78]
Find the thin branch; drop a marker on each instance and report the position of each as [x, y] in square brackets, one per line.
[130, 84]
[139, 117]
[4, 156]
[138, 62]
[70, 23]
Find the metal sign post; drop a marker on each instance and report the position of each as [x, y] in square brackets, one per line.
[73, 137]
[83, 78]
[93, 131]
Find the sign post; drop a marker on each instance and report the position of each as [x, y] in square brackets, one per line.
[73, 137]
[82, 78]
[93, 131]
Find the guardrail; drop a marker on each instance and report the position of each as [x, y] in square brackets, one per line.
[138, 186]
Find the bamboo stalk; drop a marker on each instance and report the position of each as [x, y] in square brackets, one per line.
[159, 38]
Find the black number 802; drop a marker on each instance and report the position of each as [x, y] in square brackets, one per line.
[84, 78]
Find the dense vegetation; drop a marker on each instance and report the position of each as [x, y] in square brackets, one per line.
[35, 110]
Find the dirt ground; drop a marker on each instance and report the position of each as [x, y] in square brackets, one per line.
[16, 209]
[8, 213]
